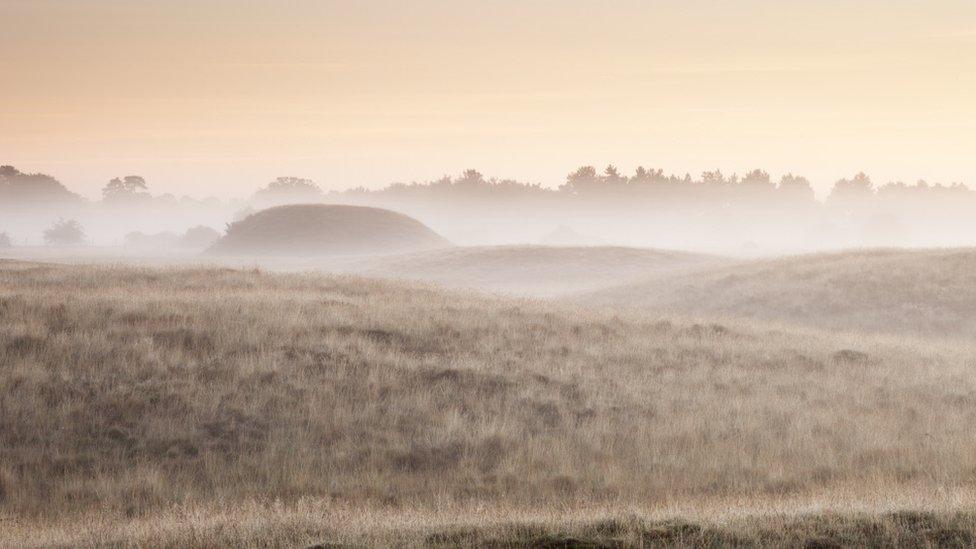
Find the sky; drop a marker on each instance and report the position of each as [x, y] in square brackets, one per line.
[218, 97]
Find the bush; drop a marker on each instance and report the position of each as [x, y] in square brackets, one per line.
[199, 237]
[65, 233]
[5, 241]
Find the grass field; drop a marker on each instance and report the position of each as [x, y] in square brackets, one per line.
[207, 407]
[538, 271]
[923, 293]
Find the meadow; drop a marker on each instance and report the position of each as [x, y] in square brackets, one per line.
[928, 293]
[208, 406]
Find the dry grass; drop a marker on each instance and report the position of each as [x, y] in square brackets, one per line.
[518, 271]
[282, 403]
[540, 271]
[929, 293]
[317, 523]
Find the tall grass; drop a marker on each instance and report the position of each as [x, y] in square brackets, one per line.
[127, 391]
[930, 293]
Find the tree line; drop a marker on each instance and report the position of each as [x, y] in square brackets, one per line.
[584, 182]
[712, 199]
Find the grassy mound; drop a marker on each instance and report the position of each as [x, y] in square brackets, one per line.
[919, 292]
[323, 230]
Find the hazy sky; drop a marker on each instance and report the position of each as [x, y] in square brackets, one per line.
[220, 96]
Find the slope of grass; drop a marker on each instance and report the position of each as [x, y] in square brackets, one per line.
[534, 270]
[125, 391]
[925, 293]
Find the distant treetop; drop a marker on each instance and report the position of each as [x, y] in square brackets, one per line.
[587, 183]
[65, 232]
[17, 187]
[712, 189]
[289, 189]
[128, 188]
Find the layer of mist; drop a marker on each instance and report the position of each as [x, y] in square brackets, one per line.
[751, 215]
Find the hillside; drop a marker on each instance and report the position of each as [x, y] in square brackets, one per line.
[533, 270]
[325, 230]
[921, 292]
[290, 409]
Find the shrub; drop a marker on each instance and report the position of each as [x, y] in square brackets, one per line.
[199, 237]
[65, 232]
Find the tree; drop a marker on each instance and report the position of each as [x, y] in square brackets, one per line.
[851, 191]
[757, 178]
[643, 176]
[18, 187]
[200, 237]
[795, 187]
[289, 189]
[713, 178]
[640, 175]
[860, 184]
[65, 233]
[471, 178]
[5, 241]
[127, 188]
[611, 176]
[582, 180]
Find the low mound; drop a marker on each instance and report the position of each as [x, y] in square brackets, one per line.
[918, 292]
[533, 270]
[325, 229]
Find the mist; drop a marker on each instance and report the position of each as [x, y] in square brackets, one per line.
[474, 274]
[754, 214]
